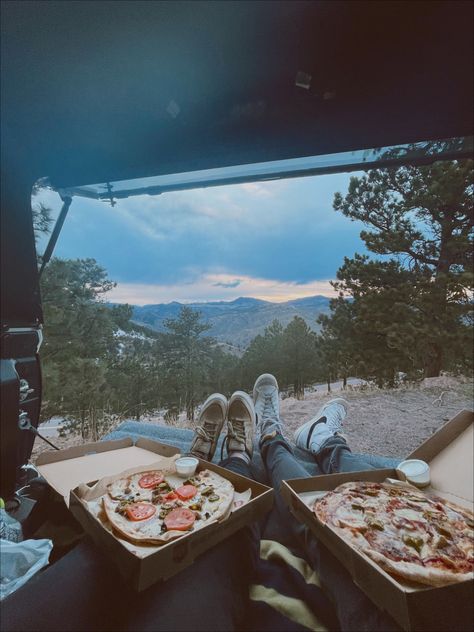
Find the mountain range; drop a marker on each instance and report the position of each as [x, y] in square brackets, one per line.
[236, 322]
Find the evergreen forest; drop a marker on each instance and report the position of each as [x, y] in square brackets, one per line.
[403, 311]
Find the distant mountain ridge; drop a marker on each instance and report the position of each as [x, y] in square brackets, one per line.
[236, 322]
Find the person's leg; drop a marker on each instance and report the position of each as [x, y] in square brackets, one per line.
[321, 436]
[281, 464]
[278, 458]
[354, 610]
[335, 456]
[381, 462]
[277, 454]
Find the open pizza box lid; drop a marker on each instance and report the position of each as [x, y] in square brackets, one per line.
[450, 454]
[66, 469]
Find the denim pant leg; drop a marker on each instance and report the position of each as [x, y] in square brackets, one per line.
[380, 462]
[281, 464]
[336, 456]
[237, 465]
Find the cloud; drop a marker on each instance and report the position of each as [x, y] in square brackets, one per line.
[235, 283]
[218, 287]
[281, 231]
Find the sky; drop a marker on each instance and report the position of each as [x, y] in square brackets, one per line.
[276, 240]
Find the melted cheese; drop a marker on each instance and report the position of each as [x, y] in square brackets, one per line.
[409, 514]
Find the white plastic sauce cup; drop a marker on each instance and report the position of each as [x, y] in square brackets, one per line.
[416, 472]
[186, 466]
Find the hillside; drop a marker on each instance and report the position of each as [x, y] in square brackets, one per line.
[236, 322]
[390, 422]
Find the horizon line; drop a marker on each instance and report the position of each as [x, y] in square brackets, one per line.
[232, 300]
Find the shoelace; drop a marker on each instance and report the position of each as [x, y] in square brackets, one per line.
[236, 431]
[269, 411]
[202, 433]
[336, 418]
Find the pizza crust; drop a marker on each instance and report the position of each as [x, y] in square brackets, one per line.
[415, 572]
[352, 511]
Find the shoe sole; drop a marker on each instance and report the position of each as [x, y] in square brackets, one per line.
[337, 400]
[260, 377]
[244, 397]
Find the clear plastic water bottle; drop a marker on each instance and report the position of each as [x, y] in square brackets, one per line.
[10, 529]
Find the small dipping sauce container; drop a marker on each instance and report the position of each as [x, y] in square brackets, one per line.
[416, 472]
[186, 466]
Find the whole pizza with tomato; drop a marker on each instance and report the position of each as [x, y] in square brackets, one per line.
[157, 506]
[415, 537]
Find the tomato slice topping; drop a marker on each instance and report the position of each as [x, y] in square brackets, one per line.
[150, 480]
[140, 511]
[180, 519]
[185, 492]
[170, 496]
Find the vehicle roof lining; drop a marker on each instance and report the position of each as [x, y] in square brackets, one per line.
[102, 92]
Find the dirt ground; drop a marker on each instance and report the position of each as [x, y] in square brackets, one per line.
[387, 422]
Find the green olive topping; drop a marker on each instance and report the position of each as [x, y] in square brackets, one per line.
[442, 543]
[207, 491]
[213, 498]
[122, 506]
[445, 532]
[164, 512]
[192, 481]
[376, 524]
[413, 541]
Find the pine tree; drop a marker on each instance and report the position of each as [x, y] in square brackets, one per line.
[265, 354]
[299, 353]
[79, 343]
[187, 359]
[416, 304]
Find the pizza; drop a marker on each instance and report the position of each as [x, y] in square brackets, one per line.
[157, 506]
[414, 537]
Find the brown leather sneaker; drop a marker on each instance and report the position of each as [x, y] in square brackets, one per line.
[209, 425]
[240, 424]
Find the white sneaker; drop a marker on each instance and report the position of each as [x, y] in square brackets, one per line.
[312, 435]
[209, 425]
[267, 405]
[240, 424]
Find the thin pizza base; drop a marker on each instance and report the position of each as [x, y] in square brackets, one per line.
[404, 570]
[415, 573]
[131, 531]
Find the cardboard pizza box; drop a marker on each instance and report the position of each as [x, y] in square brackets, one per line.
[450, 455]
[70, 472]
[65, 469]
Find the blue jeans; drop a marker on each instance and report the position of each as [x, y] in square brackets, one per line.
[336, 456]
